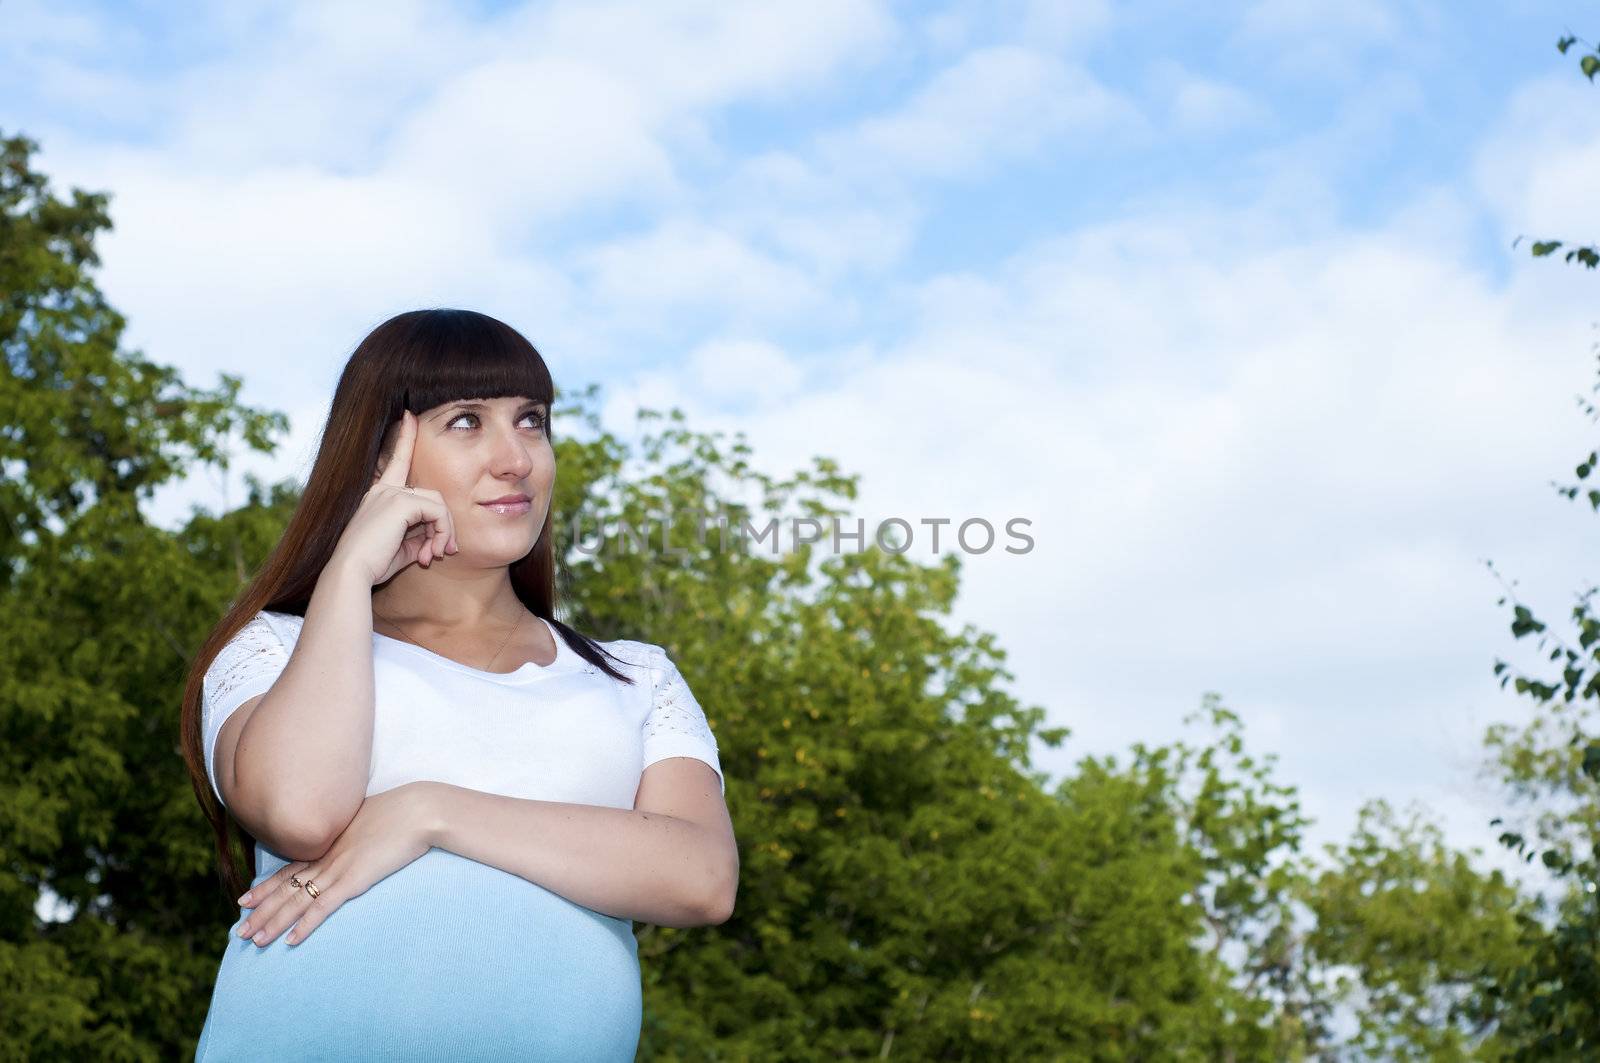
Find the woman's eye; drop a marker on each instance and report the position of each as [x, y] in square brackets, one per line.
[534, 415]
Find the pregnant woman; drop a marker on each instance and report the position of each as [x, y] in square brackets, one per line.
[453, 805]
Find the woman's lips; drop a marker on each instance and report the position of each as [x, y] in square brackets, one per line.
[509, 508]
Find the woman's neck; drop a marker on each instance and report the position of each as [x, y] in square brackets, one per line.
[454, 602]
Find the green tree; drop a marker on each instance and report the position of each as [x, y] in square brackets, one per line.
[1587, 254]
[1552, 763]
[100, 610]
[1419, 940]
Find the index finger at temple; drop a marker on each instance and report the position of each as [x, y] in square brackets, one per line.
[398, 470]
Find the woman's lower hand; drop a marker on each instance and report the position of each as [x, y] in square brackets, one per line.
[389, 831]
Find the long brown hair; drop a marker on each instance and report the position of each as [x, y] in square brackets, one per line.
[413, 361]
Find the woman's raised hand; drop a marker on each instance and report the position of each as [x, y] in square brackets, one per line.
[395, 524]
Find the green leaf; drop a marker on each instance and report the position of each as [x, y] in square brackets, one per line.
[1591, 760]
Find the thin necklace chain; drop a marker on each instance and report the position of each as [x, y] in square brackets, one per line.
[488, 667]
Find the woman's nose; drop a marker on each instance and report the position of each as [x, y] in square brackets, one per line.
[514, 456]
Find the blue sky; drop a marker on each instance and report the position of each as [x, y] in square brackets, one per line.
[1220, 297]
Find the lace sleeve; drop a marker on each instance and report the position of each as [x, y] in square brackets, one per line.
[675, 725]
[248, 665]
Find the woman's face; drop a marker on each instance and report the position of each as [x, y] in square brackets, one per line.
[474, 451]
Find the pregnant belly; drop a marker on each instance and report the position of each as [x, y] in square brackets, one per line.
[445, 959]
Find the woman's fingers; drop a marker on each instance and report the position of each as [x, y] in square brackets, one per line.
[430, 520]
[442, 528]
[412, 542]
[429, 524]
[279, 905]
[398, 471]
[266, 896]
[443, 536]
[315, 912]
[281, 918]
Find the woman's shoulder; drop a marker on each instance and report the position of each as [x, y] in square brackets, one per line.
[259, 647]
[284, 625]
[641, 656]
[266, 624]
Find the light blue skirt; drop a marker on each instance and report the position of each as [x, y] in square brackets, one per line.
[445, 959]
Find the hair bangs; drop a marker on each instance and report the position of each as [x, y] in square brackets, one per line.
[461, 354]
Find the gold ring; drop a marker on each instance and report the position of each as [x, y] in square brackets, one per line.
[311, 888]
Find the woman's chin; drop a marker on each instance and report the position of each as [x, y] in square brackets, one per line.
[501, 551]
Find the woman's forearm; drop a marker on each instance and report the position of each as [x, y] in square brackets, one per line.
[307, 749]
[643, 866]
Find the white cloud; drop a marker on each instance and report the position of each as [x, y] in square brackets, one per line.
[991, 107]
[1365, 20]
[234, 275]
[314, 172]
[1537, 165]
[1064, 23]
[34, 27]
[687, 265]
[530, 140]
[1204, 105]
[1052, 25]
[1267, 469]
[702, 54]
[1321, 37]
[777, 199]
[728, 369]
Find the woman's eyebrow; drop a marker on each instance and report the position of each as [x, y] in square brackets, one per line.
[476, 405]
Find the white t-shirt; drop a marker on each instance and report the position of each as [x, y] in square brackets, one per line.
[566, 732]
